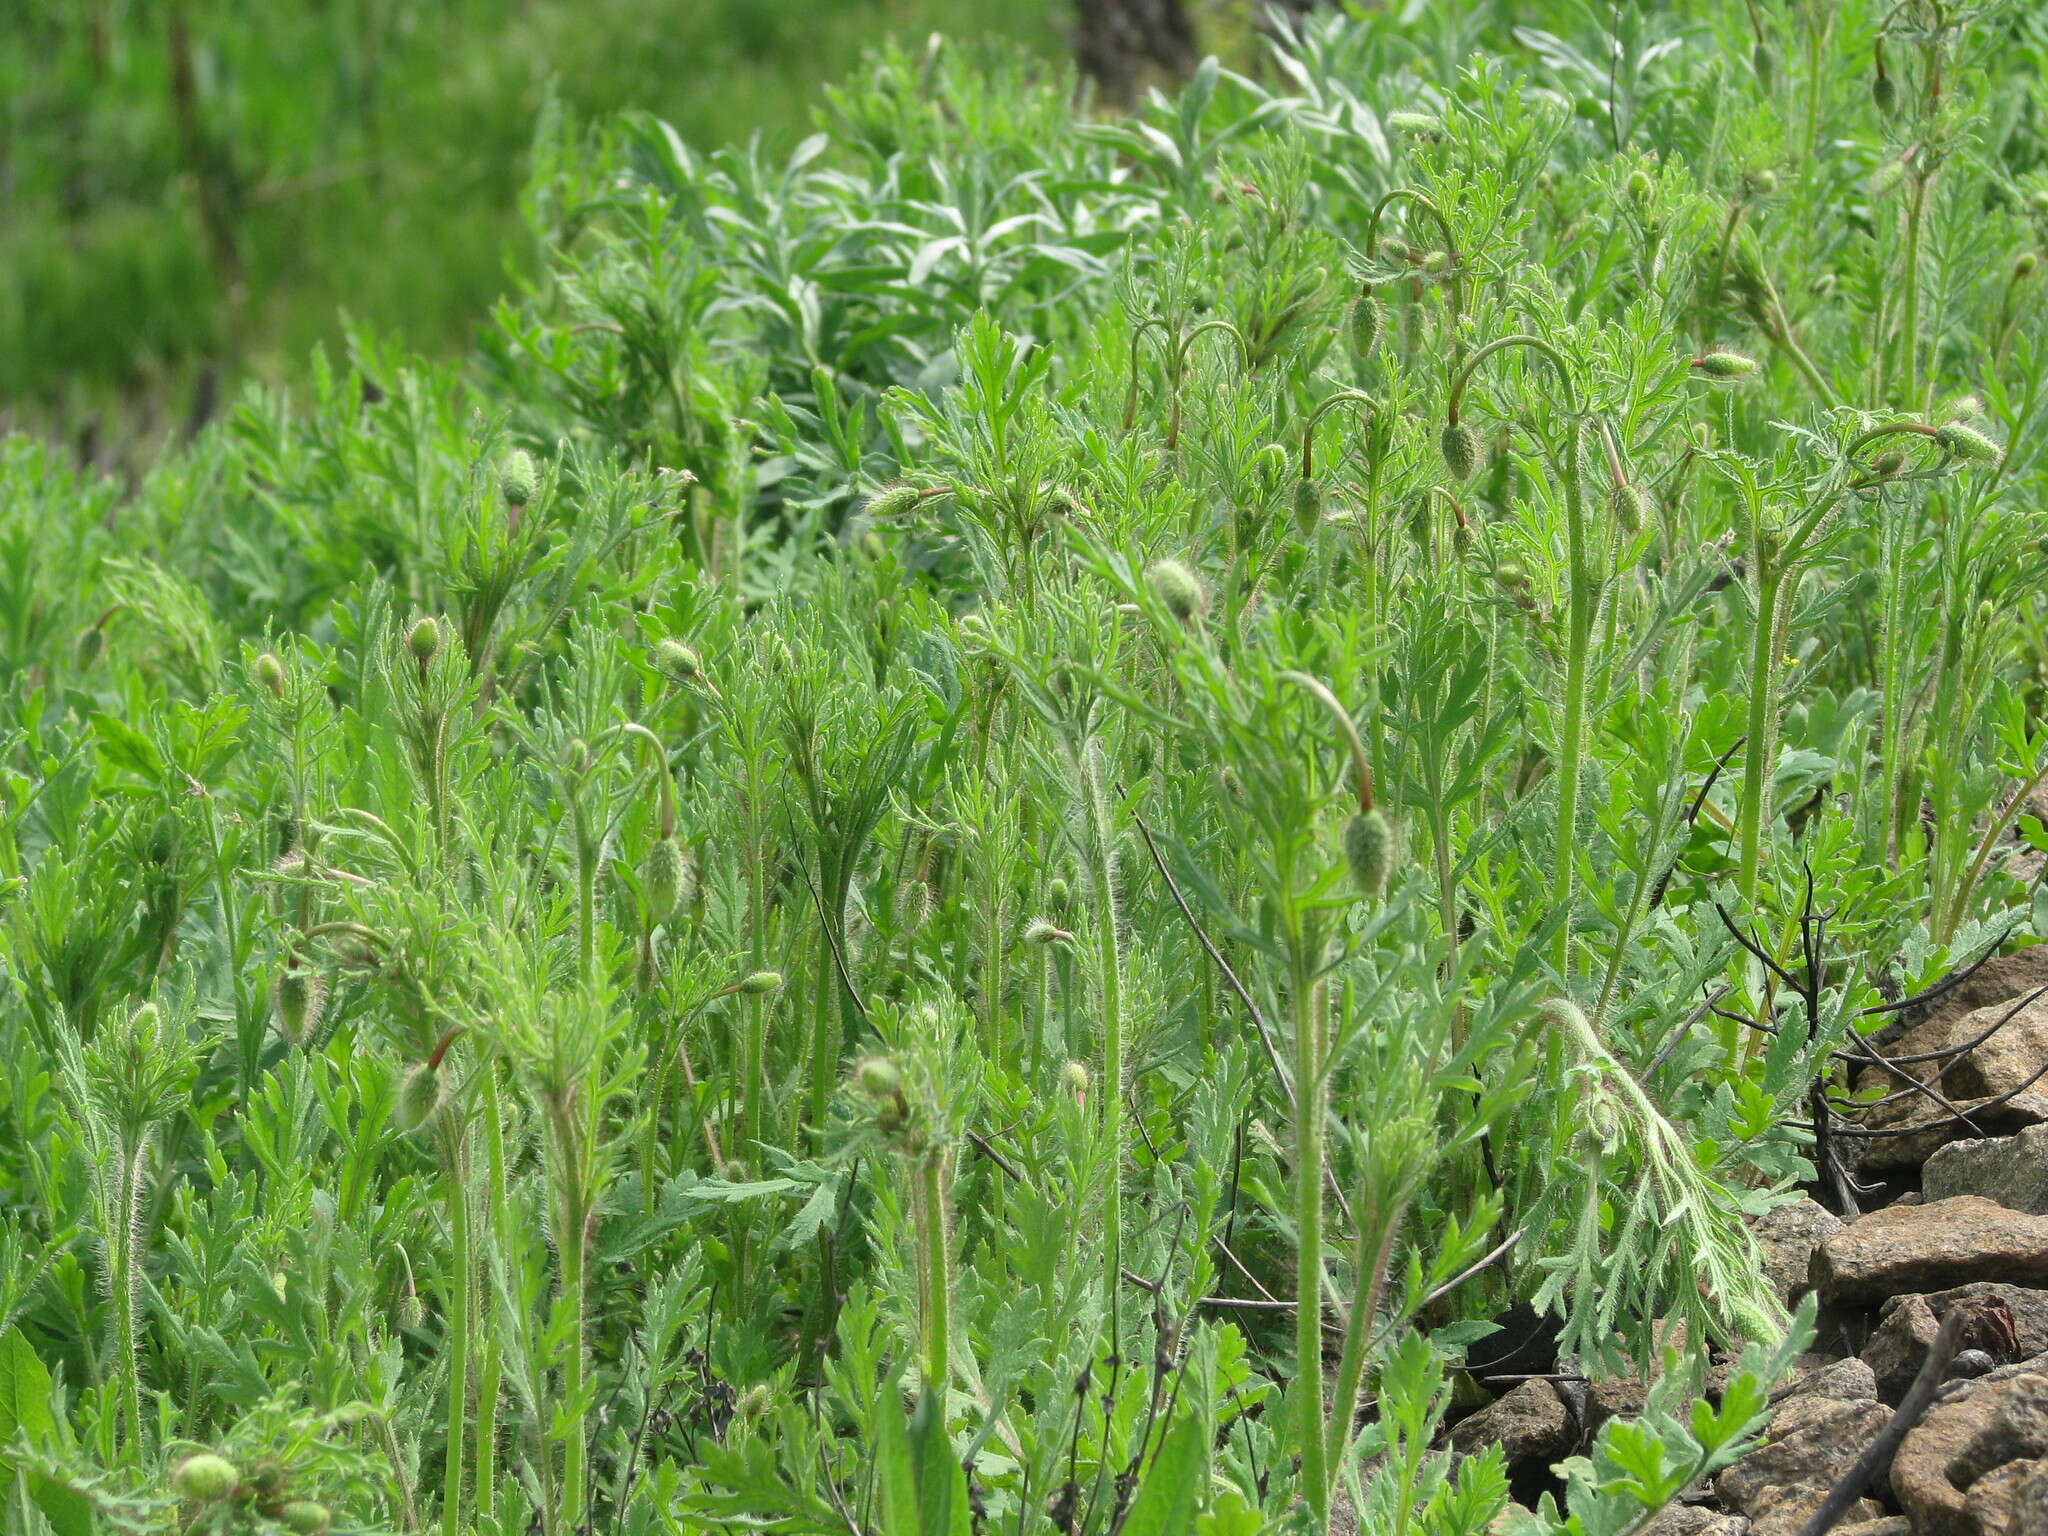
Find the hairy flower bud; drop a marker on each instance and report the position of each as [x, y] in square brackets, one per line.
[759, 983]
[1041, 931]
[893, 501]
[303, 1517]
[1630, 505]
[1366, 318]
[667, 878]
[424, 640]
[1725, 365]
[2024, 267]
[1460, 447]
[518, 482]
[296, 999]
[204, 1478]
[419, 1096]
[1369, 851]
[1178, 589]
[1763, 58]
[1967, 443]
[1308, 507]
[1074, 1081]
[678, 660]
[878, 1077]
[269, 672]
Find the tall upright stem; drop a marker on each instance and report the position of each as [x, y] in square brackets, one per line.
[1582, 600]
[1109, 981]
[937, 1275]
[461, 1306]
[1309, 1096]
[1760, 758]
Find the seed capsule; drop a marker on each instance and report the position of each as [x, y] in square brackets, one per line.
[205, 1478]
[1178, 589]
[424, 640]
[518, 481]
[1460, 447]
[1369, 850]
[419, 1095]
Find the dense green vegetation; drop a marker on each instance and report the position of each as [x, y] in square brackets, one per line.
[969, 758]
[192, 190]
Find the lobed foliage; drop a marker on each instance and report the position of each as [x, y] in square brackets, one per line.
[970, 763]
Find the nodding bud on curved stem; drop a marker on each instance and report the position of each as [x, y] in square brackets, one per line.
[1463, 377]
[1357, 397]
[1422, 201]
[1361, 765]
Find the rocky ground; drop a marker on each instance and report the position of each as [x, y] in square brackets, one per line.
[1951, 1218]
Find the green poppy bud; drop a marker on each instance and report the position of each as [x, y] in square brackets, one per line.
[86, 649]
[2037, 200]
[1764, 183]
[1886, 178]
[1040, 932]
[1640, 187]
[1425, 124]
[893, 501]
[204, 1478]
[2024, 267]
[1889, 463]
[419, 1096]
[1369, 850]
[269, 672]
[667, 878]
[678, 660]
[1884, 95]
[1967, 443]
[1177, 588]
[1460, 447]
[760, 982]
[1366, 317]
[1058, 895]
[1631, 506]
[757, 1401]
[303, 1516]
[1763, 58]
[1725, 365]
[1074, 1081]
[878, 1077]
[296, 1000]
[518, 482]
[424, 640]
[1308, 507]
[1436, 263]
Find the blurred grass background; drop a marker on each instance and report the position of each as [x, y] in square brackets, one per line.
[193, 191]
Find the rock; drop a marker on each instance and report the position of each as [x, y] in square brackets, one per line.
[2012, 1170]
[1892, 1154]
[2030, 1507]
[1694, 1520]
[2008, 1060]
[1963, 1437]
[1993, 1498]
[1812, 1440]
[1529, 1423]
[1788, 1236]
[2012, 1324]
[1888, 1525]
[1925, 1247]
